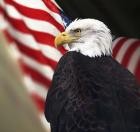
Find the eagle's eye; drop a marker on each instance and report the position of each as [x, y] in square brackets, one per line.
[78, 30]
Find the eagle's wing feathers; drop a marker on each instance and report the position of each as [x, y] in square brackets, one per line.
[74, 93]
[79, 101]
[56, 97]
[89, 105]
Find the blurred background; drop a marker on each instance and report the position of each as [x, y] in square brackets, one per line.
[28, 57]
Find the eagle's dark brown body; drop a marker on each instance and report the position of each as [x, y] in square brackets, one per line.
[92, 95]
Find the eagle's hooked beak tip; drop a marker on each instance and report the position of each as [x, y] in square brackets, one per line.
[60, 39]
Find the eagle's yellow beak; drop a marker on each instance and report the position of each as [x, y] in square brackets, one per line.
[64, 38]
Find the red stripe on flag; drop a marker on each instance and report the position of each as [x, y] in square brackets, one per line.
[40, 37]
[38, 101]
[35, 75]
[8, 37]
[1, 10]
[35, 14]
[51, 6]
[44, 38]
[36, 55]
[129, 53]
[36, 35]
[118, 46]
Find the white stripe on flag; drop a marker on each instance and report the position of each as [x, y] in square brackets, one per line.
[38, 4]
[50, 52]
[33, 86]
[45, 70]
[26, 39]
[116, 41]
[29, 41]
[44, 122]
[14, 51]
[3, 23]
[134, 60]
[124, 49]
[36, 25]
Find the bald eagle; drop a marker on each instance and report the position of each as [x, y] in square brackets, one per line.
[90, 91]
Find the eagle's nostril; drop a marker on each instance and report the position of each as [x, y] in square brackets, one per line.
[63, 34]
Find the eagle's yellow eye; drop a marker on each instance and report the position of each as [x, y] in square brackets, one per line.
[78, 30]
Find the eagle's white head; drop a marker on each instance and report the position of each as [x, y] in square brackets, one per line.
[88, 36]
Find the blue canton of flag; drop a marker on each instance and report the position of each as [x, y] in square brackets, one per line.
[65, 19]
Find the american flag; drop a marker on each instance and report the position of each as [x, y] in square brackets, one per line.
[127, 52]
[31, 26]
